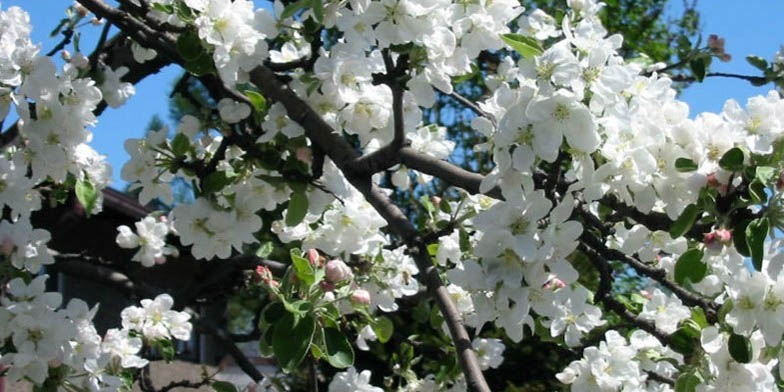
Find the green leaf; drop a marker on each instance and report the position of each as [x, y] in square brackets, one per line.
[432, 249]
[757, 192]
[221, 386]
[215, 182]
[291, 340]
[257, 100]
[690, 266]
[298, 207]
[339, 351]
[684, 165]
[756, 232]
[444, 206]
[265, 249]
[758, 62]
[698, 69]
[684, 222]
[291, 9]
[302, 268]
[167, 9]
[687, 382]
[318, 10]
[698, 315]
[200, 66]
[732, 160]
[166, 348]
[189, 45]
[87, 195]
[740, 348]
[765, 174]
[383, 328]
[739, 238]
[180, 144]
[527, 47]
[683, 341]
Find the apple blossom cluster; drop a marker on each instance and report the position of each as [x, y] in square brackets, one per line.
[150, 238]
[38, 337]
[565, 97]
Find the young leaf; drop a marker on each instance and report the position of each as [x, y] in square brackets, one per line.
[383, 328]
[527, 47]
[302, 268]
[257, 100]
[87, 195]
[684, 165]
[265, 249]
[740, 348]
[756, 232]
[180, 144]
[189, 45]
[765, 174]
[339, 351]
[757, 62]
[739, 238]
[291, 340]
[222, 386]
[291, 9]
[732, 160]
[690, 266]
[687, 382]
[684, 222]
[683, 341]
[215, 182]
[298, 207]
[698, 69]
[318, 10]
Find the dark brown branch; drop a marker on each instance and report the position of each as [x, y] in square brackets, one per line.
[67, 35]
[185, 384]
[657, 274]
[446, 171]
[387, 156]
[334, 146]
[603, 295]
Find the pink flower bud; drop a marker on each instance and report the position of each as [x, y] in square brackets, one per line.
[338, 271]
[7, 246]
[304, 154]
[66, 55]
[313, 257]
[327, 286]
[723, 235]
[555, 283]
[360, 297]
[264, 275]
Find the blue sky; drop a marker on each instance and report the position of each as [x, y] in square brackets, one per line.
[749, 27]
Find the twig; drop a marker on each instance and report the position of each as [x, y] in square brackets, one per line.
[474, 107]
[67, 35]
[755, 80]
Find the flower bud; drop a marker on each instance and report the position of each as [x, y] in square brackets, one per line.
[7, 246]
[338, 271]
[304, 154]
[264, 275]
[66, 55]
[313, 257]
[360, 297]
[80, 10]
